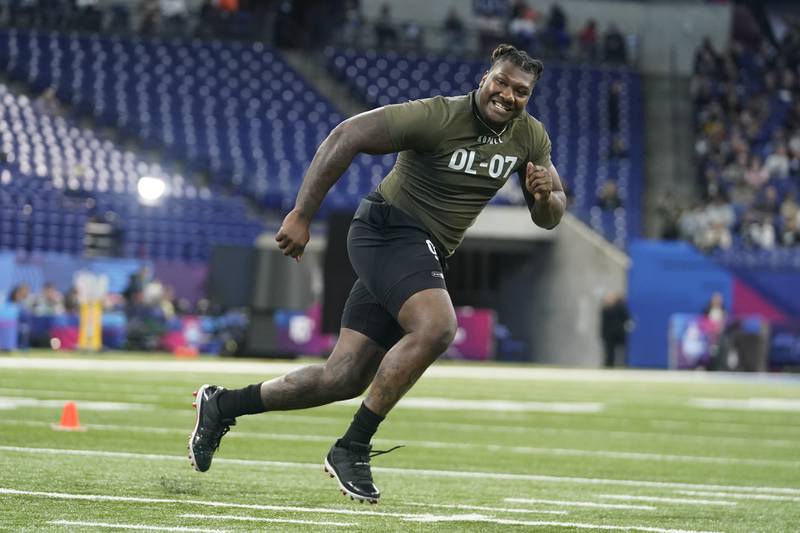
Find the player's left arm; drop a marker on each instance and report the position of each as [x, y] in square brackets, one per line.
[544, 195]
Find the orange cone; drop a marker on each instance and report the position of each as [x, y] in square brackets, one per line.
[69, 419]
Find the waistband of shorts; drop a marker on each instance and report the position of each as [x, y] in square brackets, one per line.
[377, 197]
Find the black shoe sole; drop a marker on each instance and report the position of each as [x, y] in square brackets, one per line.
[197, 403]
[353, 496]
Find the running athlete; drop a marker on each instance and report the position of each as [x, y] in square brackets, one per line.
[454, 155]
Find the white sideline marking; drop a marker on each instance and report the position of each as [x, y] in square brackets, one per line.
[440, 370]
[12, 402]
[596, 505]
[483, 508]
[447, 404]
[766, 497]
[259, 519]
[293, 437]
[133, 526]
[751, 404]
[658, 499]
[415, 471]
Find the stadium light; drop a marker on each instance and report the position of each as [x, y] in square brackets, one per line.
[151, 189]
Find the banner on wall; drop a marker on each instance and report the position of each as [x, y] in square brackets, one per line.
[475, 334]
[784, 345]
[693, 340]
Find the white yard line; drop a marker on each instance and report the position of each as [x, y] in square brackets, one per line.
[413, 517]
[441, 370]
[259, 519]
[749, 404]
[543, 523]
[142, 527]
[13, 402]
[658, 499]
[506, 406]
[766, 497]
[571, 503]
[417, 472]
[521, 430]
[292, 437]
[225, 505]
[484, 508]
[86, 394]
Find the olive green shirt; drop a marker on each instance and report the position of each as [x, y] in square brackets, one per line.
[451, 164]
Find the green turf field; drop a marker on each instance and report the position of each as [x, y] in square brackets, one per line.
[488, 448]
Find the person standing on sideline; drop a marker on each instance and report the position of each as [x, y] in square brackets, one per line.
[615, 322]
[455, 153]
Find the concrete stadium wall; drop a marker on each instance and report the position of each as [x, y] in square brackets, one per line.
[555, 299]
[668, 33]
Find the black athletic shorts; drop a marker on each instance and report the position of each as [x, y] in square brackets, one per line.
[394, 257]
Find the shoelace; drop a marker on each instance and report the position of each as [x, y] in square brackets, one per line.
[361, 463]
[381, 452]
[216, 436]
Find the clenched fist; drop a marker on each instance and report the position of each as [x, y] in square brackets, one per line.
[538, 181]
[293, 235]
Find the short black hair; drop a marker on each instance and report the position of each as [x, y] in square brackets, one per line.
[520, 58]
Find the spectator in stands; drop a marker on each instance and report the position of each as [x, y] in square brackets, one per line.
[454, 30]
[174, 16]
[490, 19]
[587, 38]
[413, 35]
[615, 323]
[53, 14]
[755, 175]
[47, 103]
[21, 14]
[758, 231]
[693, 223]
[523, 29]
[148, 16]
[385, 31]
[614, 103]
[614, 48]
[353, 24]
[207, 18]
[777, 163]
[608, 199]
[89, 16]
[706, 59]
[49, 302]
[790, 233]
[669, 212]
[790, 210]
[767, 201]
[720, 218]
[619, 149]
[557, 37]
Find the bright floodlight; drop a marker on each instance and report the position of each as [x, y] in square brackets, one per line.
[151, 189]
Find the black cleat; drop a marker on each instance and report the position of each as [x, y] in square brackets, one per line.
[209, 427]
[350, 467]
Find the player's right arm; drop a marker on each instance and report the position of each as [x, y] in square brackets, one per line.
[366, 133]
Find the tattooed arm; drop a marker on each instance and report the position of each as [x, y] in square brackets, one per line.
[365, 133]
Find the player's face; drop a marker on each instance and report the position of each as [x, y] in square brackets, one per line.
[503, 93]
